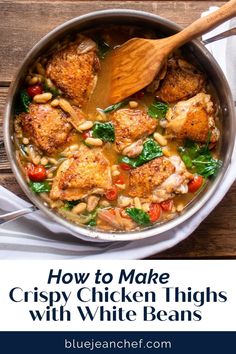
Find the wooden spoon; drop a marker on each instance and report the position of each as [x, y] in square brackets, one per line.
[136, 63]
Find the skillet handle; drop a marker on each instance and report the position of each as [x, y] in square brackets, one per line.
[202, 25]
[16, 214]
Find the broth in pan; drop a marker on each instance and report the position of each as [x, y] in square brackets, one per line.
[115, 167]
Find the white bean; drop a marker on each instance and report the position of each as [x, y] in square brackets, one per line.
[146, 207]
[42, 98]
[94, 142]
[74, 147]
[55, 103]
[124, 201]
[121, 186]
[40, 69]
[33, 80]
[160, 139]
[114, 167]
[180, 207]
[79, 208]
[52, 160]
[104, 203]
[115, 173]
[25, 141]
[133, 104]
[49, 83]
[85, 125]
[137, 203]
[36, 160]
[44, 161]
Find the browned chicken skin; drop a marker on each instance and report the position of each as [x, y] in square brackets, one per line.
[159, 179]
[87, 172]
[46, 126]
[131, 127]
[74, 69]
[143, 179]
[193, 119]
[182, 81]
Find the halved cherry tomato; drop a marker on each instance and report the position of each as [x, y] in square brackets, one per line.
[154, 212]
[167, 205]
[34, 90]
[36, 173]
[112, 193]
[195, 184]
[86, 135]
[125, 166]
[119, 179]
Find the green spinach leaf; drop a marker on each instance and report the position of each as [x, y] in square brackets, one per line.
[69, 204]
[206, 166]
[158, 110]
[150, 151]
[22, 102]
[139, 216]
[199, 159]
[93, 221]
[103, 48]
[40, 187]
[104, 131]
[114, 107]
[53, 89]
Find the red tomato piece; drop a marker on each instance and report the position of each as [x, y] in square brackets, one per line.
[154, 212]
[86, 135]
[36, 173]
[119, 179]
[139, 95]
[125, 166]
[34, 90]
[167, 205]
[112, 193]
[195, 184]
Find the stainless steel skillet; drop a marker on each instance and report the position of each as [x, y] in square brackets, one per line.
[164, 27]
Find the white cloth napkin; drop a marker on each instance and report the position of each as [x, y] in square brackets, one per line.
[36, 237]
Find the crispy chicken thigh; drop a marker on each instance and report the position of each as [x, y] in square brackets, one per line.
[182, 81]
[74, 69]
[46, 126]
[131, 127]
[88, 172]
[193, 119]
[159, 179]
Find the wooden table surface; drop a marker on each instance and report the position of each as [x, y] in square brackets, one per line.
[23, 23]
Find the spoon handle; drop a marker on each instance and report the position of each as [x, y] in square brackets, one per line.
[204, 24]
